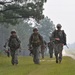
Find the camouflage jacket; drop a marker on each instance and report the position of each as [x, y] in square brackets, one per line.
[36, 39]
[59, 34]
[14, 42]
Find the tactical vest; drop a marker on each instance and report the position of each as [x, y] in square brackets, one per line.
[14, 42]
[36, 40]
[61, 35]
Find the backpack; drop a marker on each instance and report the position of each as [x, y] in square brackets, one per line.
[14, 42]
[64, 37]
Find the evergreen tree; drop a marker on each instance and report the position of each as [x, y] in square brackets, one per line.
[14, 11]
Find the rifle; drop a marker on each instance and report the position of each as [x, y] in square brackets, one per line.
[30, 48]
[67, 46]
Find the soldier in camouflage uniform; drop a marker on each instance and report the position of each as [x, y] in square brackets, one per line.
[51, 46]
[14, 44]
[36, 41]
[59, 38]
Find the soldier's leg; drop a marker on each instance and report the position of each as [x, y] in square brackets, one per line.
[56, 52]
[51, 53]
[60, 52]
[13, 56]
[42, 53]
[56, 55]
[36, 55]
[60, 57]
[51, 56]
[16, 57]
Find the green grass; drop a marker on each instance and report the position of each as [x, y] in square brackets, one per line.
[46, 67]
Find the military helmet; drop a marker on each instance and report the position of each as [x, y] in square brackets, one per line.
[13, 31]
[35, 29]
[59, 26]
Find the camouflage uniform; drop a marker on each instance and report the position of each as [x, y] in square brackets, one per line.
[14, 55]
[50, 46]
[36, 46]
[36, 54]
[58, 51]
[13, 49]
[59, 39]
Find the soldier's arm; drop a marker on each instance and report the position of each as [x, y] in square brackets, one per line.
[18, 40]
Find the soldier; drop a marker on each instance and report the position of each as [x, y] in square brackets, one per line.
[59, 38]
[14, 44]
[43, 48]
[36, 41]
[50, 46]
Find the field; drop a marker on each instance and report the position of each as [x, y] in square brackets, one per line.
[46, 67]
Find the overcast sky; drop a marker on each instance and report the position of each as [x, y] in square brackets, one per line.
[63, 12]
